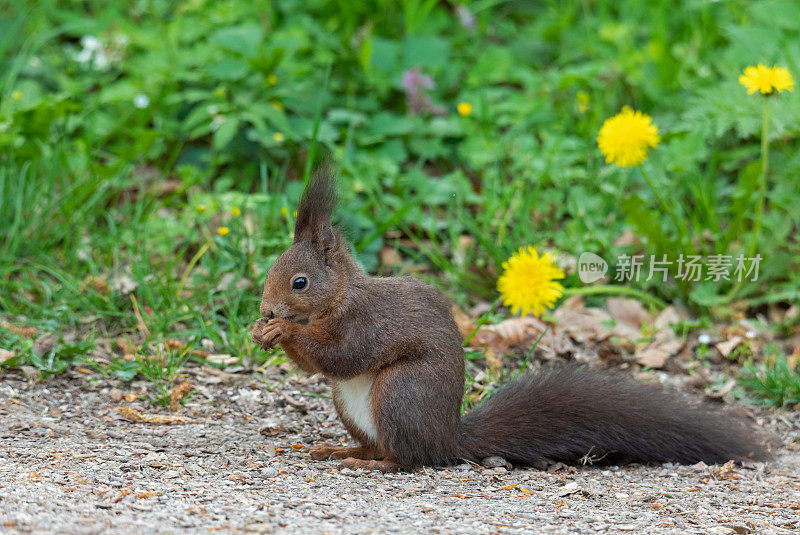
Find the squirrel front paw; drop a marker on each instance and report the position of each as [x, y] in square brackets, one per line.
[267, 333]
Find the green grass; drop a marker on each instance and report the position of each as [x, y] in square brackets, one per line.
[774, 382]
[119, 120]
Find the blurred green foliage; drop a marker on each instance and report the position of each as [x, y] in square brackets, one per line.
[119, 121]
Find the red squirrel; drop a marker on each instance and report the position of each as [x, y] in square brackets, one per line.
[392, 352]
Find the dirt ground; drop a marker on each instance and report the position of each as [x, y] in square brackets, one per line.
[234, 459]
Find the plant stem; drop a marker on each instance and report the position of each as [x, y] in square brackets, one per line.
[762, 182]
[482, 321]
[616, 290]
[762, 194]
[188, 270]
[664, 206]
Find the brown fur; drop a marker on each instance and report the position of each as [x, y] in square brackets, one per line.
[400, 330]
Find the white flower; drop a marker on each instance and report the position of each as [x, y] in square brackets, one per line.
[84, 56]
[93, 54]
[101, 62]
[91, 43]
[141, 101]
[704, 339]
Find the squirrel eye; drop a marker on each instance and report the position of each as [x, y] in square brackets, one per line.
[299, 283]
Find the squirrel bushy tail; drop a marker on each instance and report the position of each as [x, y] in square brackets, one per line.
[572, 413]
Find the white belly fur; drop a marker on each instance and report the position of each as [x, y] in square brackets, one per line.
[354, 400]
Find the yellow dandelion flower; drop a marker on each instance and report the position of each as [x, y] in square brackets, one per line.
[235, 212]
[278, 137]
[201, 208]
[782, 79]
[294, 214]
[626, 138]
[464, 108]
[16, 95]
[528, 283]
[223, 231]
[284, 211]
[766, 79]
[272, 79]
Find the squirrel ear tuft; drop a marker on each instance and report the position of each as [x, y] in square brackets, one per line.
[316, 206]
[328, 241]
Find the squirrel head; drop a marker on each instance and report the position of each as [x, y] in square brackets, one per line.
[311, 276]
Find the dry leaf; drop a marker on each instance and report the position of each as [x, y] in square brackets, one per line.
[628, 311]
[98, 284]
[122, 493]
[776, 313]
[723, 390]
[665, 344]
[129, 350]
[139, 416]
[224, 359]
[177, 345]
[668, 316]
[584, 325]
[45, 343]
[25, 332]
[130, 398]
[513, 332]
[724, 471]
[493, 362]
[793, 359]
[570, 488]
[571, 304]
[179, 392]
[728, 346]
[652, 357]
[480, 308]
[174, 345]
[6, 355]
[463, 321]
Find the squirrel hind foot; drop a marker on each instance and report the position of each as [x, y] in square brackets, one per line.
[376, 465]
[328, 451]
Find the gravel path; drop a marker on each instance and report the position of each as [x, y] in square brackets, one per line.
[70, 462]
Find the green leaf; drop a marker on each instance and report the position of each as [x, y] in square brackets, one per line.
[245, 39]
[224, 134]
[426, 51]
[229, 69]
[384, 54]
[707, 294]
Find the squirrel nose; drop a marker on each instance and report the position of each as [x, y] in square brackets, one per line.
[267, 312]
